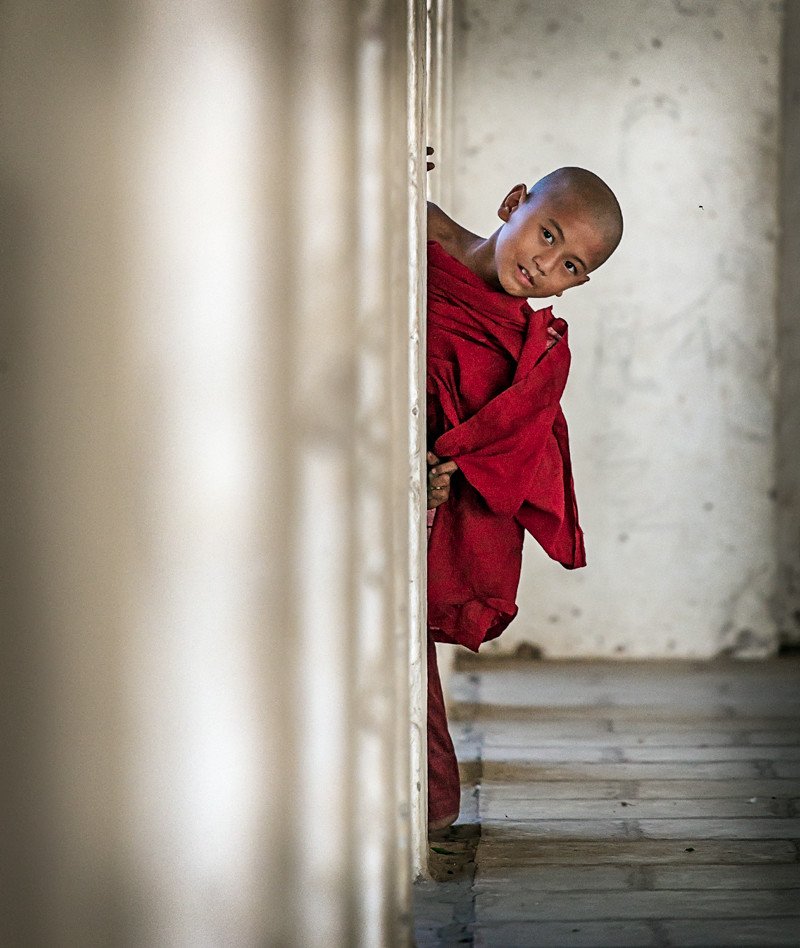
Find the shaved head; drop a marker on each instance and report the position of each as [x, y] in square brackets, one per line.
[589, 194]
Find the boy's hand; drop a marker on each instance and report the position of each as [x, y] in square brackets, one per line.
[431, 165]
[439, 480]
[554, 337]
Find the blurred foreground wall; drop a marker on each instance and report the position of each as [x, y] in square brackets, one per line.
[677, 362]
[788, 405]
[207, 401]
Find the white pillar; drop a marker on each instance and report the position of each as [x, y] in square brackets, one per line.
[787, 494]
[208, 443]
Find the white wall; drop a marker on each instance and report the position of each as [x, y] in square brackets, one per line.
[208, 401]
[671, 398]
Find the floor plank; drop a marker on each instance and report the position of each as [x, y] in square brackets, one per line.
[624, 804]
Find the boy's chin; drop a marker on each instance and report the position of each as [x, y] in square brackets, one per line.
[529, 294]
[514, 289]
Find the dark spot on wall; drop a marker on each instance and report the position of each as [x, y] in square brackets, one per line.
[748, 640]
[695, 7]
[552, 26]
[623, 537]
[772, 493]
[707, 505]
[656, 43]
[796, 617]
[619, 649]
[718, 34]
[614, 54]
[552, 618]
[635, 81]
[672, 645]
[763, 59]
[575, 611]
[529, 652]
[770, 236]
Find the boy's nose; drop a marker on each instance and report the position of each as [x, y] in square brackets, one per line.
[544, 263]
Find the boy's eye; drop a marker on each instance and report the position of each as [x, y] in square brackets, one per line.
[547, 235]
[571, 267]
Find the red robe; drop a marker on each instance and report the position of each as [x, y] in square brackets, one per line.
[493, 392]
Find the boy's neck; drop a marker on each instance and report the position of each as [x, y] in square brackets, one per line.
[475, 252]
[479, 257]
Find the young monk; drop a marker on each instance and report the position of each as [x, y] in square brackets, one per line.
[498, 449]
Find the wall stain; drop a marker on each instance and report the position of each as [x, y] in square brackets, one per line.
[695, 7]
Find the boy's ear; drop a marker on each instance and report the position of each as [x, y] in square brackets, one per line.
[512, 201]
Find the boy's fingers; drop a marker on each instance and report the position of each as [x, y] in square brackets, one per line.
[449, 467]
[554, 338]
[431, 458]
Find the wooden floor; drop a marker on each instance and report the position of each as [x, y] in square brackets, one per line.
[617, 804]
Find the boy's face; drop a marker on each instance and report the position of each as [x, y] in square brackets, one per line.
[548, 244]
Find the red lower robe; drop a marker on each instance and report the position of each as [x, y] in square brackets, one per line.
[493, 394]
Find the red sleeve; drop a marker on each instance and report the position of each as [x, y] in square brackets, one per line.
[515, 452]
[505, 449]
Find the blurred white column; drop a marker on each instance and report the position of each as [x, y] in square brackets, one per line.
[439, 96]
[207, 416]
[787, 460]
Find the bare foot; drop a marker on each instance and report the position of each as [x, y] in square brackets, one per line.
[434, 826]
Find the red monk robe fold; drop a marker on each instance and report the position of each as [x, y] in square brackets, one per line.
[493, 392]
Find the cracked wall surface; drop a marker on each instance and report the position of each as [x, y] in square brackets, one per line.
[671, 401]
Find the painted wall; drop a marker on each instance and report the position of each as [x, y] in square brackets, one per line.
[788, 428]
[671, 401]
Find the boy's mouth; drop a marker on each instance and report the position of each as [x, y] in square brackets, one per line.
[525, 274]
